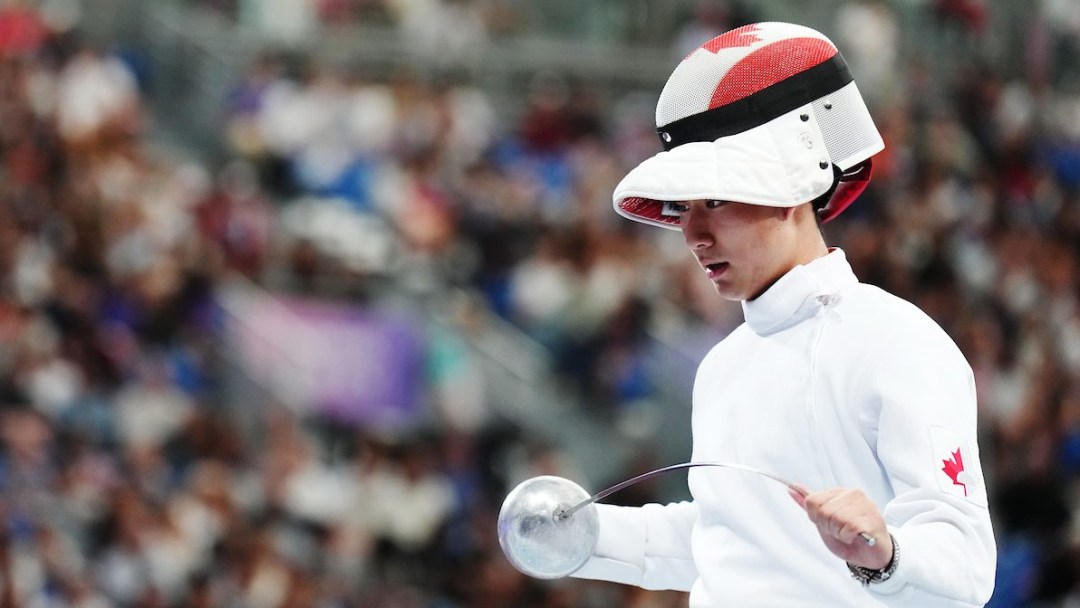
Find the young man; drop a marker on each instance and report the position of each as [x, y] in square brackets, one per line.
[849, 391]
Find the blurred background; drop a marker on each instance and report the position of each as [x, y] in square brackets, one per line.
[292, 292]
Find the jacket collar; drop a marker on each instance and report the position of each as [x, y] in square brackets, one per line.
[800, 293]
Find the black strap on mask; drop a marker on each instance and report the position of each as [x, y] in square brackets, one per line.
[759, 108]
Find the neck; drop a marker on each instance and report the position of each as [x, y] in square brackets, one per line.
[813, 249]
[807, 245]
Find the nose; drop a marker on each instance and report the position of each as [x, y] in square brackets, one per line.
[695, 229]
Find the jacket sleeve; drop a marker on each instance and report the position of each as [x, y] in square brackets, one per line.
[926, 443]
[646, 546]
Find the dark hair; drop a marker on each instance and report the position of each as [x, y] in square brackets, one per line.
[819, 203]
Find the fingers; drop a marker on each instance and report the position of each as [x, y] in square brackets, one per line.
[849, 523]
[798, 493]
[843, 514]
[831, 508]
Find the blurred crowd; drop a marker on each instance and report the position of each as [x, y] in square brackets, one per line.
[129, 478]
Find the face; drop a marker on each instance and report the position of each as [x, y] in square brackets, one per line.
[743, 249]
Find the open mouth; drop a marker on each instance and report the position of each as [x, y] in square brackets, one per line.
[716, 269]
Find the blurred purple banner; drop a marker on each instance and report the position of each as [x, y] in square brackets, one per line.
[348, 363]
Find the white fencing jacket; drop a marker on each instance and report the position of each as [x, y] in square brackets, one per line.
[828, 383]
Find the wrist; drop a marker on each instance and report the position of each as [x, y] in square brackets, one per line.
[869, 576]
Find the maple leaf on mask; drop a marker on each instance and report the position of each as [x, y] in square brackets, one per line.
[743, 36]
[954, 468]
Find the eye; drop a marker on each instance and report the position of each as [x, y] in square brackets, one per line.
[678, 207]
[714, 204]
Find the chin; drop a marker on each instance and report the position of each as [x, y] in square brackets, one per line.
[728, 293]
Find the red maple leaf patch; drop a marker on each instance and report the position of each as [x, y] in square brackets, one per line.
[741, 36]
[954, 467]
